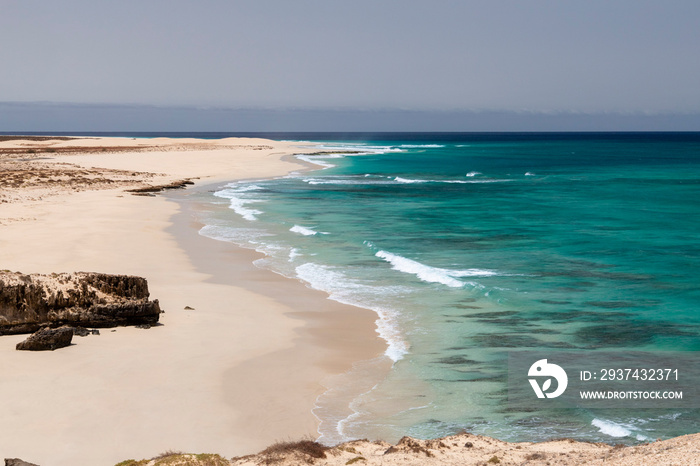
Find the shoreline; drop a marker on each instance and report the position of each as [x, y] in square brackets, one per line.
[209, 379]
[346, 335]
[184, 384]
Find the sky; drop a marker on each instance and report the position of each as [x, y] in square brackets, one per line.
[532, 58]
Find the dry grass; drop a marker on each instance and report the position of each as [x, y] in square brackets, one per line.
[304, 450]
[167, 454]
[133, 463]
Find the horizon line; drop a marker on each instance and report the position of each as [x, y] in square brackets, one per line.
[346, 109]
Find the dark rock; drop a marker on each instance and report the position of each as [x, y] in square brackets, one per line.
[187, 308]
[81, 331]
[94, 331]
[17, 462]
[144, 326]
[150, 190]
[47, 339]
[30, 302]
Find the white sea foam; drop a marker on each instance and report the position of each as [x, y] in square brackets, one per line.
[614, 429]
[231, 235]
[488, 181]
[315, 161]
[239, 206]
[421, 146]
[611, 428]
[472, 174]
[529, 174]
[347, 291]
[236, 188]
[474, 273]
[305, 231]
[293, 254]
[240, 198]
[350, 181]
[362, 149]
[430, 274]
[408, 180]
[366, 180]
[404, 180]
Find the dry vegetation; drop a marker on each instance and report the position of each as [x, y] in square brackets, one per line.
[27, 171]
[461, 449]
[179, 459]
[36, 179]
[303, 451]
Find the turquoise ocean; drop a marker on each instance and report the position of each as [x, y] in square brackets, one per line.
[468, 246]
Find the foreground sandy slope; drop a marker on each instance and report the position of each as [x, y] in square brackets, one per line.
[463, 449]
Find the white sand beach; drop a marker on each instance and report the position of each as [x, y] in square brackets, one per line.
[237, 372]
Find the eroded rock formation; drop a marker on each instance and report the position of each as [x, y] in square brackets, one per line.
[47, 339]
[30, 302]
[17, 462]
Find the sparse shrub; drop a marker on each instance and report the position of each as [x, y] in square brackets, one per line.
[167, 453]
[208, 459]
[494, 460]
[173, 458]
[277, 452]
[356, 459]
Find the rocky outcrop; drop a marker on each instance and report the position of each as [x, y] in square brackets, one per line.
[47, 339]
[17, 462]
[152, 190]
[30, 302]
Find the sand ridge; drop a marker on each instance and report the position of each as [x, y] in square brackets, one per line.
[459, 450]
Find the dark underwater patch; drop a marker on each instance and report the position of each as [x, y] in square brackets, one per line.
[543, 331]
[516, 341]
[573, 315]
[623, 304]
[628, 333]
[486, 315]
[457, 360]
[610, 304]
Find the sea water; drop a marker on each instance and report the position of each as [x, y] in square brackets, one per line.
[470, 246]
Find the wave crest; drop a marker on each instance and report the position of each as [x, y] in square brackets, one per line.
[430, 274]
[305, 231]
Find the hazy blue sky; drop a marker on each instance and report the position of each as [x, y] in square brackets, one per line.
[589, 56]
